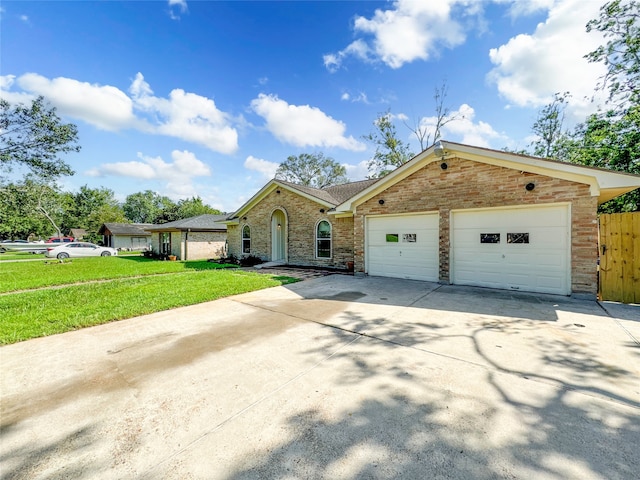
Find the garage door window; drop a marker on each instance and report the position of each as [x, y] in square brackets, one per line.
[489, 238]
[517, 238]
[323, 239]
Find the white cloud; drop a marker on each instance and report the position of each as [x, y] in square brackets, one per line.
[177, 7]
[184, 167]
[6, 82]
[187, 116]
[407, 32]
[266, 168]
[184, 115]
[520, 8]
[360, 97]
[530, 69]
[105, 107]
[302, 125]
[357, 172]
[461, 127]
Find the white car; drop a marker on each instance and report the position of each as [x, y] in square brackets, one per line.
[79, 249]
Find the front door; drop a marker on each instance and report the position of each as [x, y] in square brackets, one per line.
[278, 236]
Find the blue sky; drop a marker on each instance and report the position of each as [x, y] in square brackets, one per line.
[207, 98]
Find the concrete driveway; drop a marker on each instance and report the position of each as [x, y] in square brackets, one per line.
[333, 378]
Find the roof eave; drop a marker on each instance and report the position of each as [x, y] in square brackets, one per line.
[271, 186]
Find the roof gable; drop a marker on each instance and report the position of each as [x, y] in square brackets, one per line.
[329, 197]
[605, 184]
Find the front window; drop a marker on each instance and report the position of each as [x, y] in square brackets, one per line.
[246, 239]
[323, 239]
[165, 242]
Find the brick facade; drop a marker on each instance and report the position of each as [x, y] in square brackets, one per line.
[302, 216]
[202, 245]
[193, 245]
[467, 184]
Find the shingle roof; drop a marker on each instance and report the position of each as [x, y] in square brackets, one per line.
[78, 232]
[348, 190]
[200, 222]
[335, 194]
[137, 229]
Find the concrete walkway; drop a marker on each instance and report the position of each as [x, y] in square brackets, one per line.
[336, 377]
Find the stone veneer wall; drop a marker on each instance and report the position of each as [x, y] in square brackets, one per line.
[467, 184]
[302, 217]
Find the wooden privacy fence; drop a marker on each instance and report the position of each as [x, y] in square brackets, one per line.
[620, 257]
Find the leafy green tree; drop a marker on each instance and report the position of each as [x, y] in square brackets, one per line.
[313, 170]
[30, 209]
[168, 211]
[149, 207]
[391, 152]
[193, 207]
[34, 136]
[82, 203]
[607, 140]
[611, 139]
[619, 23]
[142, 207]
[86, 209]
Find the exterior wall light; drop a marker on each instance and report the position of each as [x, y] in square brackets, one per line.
[322, 210]
[444, 165]
[277, 191]
[381, 202]
[530, 186]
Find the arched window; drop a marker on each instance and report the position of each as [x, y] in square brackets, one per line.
[246, 239]
[323, 239]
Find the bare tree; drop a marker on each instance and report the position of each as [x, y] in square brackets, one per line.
[427, 135]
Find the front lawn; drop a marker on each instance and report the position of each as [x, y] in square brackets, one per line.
[50, 271]
[110, 294]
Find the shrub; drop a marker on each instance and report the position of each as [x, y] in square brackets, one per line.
[250, 261]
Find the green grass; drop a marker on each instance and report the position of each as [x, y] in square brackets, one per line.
[37, 312]
[48, 272]
[20, 256]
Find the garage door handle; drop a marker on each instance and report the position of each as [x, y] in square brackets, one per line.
[604, 249]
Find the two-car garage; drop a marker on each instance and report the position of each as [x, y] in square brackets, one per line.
[520, 248]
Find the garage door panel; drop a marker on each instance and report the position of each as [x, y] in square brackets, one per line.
[540, 263]
[415, 253]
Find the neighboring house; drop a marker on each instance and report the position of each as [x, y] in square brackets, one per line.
[125, 236]
[453, 214]
[195, 238]
[78, 233]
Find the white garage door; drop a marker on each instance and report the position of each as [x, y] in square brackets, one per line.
[517, 249]
[403, 246]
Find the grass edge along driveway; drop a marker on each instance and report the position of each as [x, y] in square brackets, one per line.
[39, 312]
